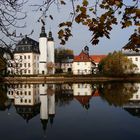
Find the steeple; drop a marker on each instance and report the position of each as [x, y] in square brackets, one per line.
[86, 49]
[42, 19]
[50, 38]
[43, 33]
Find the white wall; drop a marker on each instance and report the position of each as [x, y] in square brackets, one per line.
[43, 55]
[28, 63]
[82, 89]
[135, 60]
[82, 68]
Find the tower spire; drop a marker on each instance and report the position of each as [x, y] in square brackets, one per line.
[42, 19]
[50, 38]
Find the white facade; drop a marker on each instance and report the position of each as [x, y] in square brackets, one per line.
[82, 68]
[43, 55]
[136, 60]
[82, 89]
[24, 94]
[132, 55]
[50, 54]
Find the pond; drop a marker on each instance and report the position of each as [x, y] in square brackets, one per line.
[78, 111]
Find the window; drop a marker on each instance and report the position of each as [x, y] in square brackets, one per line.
[29, 101]
[78, 85]
[78, 71]
[137, 96]
[28, 56]
[20, 57]
[24, 56]
[24, 64]
[85, 63]
[20, 65]
[25, 93]
[25, 100]
[29, 93]
[85, 70]
[24, 71]
[136, 59]
[77, 63]
[29, 85]
[29, 65]
[28, 71]
[21, 100]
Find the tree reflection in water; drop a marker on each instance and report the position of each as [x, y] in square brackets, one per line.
[4, 101]
[117, 94]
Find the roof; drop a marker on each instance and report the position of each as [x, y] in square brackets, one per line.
[84, 100]
[97, 58]
[96, 93]
[27, 45]
[82, 57]
[27, 111]
[133, 46]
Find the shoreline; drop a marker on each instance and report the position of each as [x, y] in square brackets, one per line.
[64, 79]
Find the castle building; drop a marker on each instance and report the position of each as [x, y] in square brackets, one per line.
[83, 64]
[32, 57]
[133, 55]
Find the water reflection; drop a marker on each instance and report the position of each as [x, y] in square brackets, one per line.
[32, 99]
[43, 100]
[117, 94]
[133, 105]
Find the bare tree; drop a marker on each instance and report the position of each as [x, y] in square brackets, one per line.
[10, 15]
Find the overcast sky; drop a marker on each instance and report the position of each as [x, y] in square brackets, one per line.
[81, 35]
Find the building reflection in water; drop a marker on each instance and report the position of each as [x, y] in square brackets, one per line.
[47, 108]
[83, 92]
[32, 99]
[133, 105]
[26, 99]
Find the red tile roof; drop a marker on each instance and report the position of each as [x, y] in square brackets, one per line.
[96, 93]
[84, 100]
[97, 58]
[82, 57]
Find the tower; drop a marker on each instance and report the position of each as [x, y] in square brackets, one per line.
[50, 57]
[44, 106]
[43, 51]
[51, 102]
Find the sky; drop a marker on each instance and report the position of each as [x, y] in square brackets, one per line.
[81, 35]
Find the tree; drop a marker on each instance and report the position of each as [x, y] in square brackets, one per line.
[98, 16]
[116, 63]
[10, 15]
[50, 67]
[2, 64]
[63, 55]
[117, 94]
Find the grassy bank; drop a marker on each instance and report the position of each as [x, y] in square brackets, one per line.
[67, 78]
